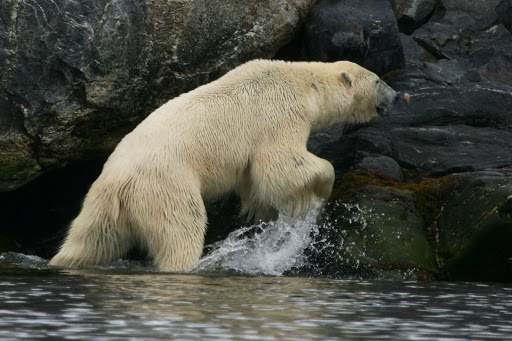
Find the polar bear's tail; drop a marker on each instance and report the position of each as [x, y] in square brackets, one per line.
[97, 235]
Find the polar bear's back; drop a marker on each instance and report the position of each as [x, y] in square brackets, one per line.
[214, 129]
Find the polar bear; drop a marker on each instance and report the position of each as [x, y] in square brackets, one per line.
[245, 132]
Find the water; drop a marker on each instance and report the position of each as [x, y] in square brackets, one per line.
[239, 292]
[138, 305]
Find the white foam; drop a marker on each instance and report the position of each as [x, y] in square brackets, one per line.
[263, 249]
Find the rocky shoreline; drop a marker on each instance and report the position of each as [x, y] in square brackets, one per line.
[424, 192]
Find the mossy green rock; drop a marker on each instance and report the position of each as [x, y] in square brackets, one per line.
[378, 230]
[458, 227]
[475, 227]
[389, 240]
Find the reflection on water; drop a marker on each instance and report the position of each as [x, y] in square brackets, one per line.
[121, 304]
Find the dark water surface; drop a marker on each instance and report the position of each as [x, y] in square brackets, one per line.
[137, 303]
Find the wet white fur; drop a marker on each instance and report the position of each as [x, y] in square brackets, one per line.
[246, 131]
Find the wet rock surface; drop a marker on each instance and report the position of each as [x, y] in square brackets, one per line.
[376, 228]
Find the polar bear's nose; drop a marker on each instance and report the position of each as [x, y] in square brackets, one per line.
[402, 95]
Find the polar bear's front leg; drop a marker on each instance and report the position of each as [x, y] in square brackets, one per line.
[291, 181]
[324, 180]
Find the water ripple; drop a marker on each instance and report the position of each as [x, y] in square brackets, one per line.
[88, 304]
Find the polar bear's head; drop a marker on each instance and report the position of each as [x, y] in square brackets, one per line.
[368, 94]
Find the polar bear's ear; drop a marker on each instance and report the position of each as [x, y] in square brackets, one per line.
[347, 78]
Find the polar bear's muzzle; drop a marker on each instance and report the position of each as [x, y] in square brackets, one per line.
[388, 97]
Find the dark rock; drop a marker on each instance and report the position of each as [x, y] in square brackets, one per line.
[486, 56]
[413, 53]
[504, 12]
[491, 55]
[77, 76]
[364, 32]
[458, 227]
[389, 237]
[477, 15]
[382, 164]
[463, 42]
[444, 129]
[374, 227]
[414, 10]
[459, 24]
[319, 139]
[475, 227]
[7, 243]
[412, 13]
[488, 59]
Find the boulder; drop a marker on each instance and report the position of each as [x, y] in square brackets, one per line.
[469, 14]
[462, 42]
[364, 32]
[414, 54]
[411, 14]
[504, 12]
[381, 164]
[414, 10]
[480, 57]
[475, 227]
[77, 76]
[376, 227]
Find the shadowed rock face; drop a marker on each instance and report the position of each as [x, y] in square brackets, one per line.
[364, 32]
[475, 227]
[77, 76]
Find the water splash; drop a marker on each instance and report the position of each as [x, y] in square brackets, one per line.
[263, 249]
[28, 261]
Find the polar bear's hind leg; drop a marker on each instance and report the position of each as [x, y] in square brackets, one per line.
[173, 234]
[98, 235]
